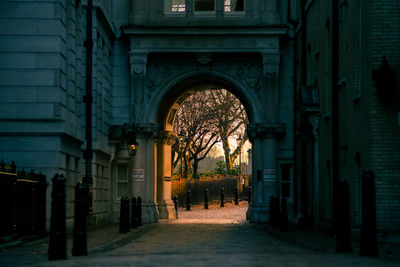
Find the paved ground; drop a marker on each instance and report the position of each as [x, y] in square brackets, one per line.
[226, 240]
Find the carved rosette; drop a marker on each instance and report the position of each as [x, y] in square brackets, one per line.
[265, 131]
[147, 130]
[167, 138]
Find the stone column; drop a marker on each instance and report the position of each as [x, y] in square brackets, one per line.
[165, 205]
[265, 184]
[138, 62]
[144, 173]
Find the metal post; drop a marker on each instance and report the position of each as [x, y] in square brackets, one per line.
[139, 211]
[236, 196]
[58, 235]
[222, 197]
[343, 231]
[175, 199]
[206, 199]
[133, 213]
[188, 195]
[79, 247]
[368, 241]
[181, 163]
[124, 216]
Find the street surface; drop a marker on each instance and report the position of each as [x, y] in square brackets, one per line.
[217, 237]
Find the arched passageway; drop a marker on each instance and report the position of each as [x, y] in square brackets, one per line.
[166, 81]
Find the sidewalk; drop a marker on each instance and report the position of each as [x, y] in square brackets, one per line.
[99, 240]
[321, 242]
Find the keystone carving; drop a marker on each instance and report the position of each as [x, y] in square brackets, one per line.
[138, 68]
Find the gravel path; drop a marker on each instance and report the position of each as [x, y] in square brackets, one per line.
[230, 214]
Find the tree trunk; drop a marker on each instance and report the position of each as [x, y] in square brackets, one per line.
[195, 167]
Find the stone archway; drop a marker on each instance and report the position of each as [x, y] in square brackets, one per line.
[163, 81]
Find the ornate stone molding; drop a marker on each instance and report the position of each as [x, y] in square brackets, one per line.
[147, 130]
[265, 131]
[166, 138]
[249, 73]
[198, 42]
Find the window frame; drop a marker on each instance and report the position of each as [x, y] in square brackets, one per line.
[290, 182]
[117, 181]
[174, 13]
[205, 13]
[235, 13]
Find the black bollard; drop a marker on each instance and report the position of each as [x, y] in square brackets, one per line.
[368, 240]
[206, 199]
[133, 213]
[271, 210]
[188, 199]
[222, 197]
[343, 230]
[284, 216]
[79, 247]
[249, 200]
[139, 211]
[58, 241]
[236, 197]
[175, 200]
[124, 216]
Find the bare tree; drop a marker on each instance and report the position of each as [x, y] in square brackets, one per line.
[200, 134]
[206, 118]
[231, 122]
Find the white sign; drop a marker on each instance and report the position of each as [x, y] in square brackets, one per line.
[269, 175]
[138, 175]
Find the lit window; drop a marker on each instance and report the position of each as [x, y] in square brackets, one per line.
[122, 181]
[204, 5]
[233, 6]
[174, 6]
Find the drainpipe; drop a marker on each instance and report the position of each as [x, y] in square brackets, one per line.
[88, 98]
[335, 105]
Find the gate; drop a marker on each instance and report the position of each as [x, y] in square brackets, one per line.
[213, 184]
[22, 202]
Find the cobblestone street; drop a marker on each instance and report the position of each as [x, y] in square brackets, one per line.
[218, 237]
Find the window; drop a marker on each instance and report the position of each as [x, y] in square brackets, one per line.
[122, 181]
[204, 5]
[174, 6]
[286, 181]
[233, 6]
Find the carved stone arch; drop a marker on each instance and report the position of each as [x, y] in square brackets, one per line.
[166, 98]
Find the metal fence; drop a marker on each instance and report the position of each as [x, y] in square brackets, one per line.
[214, 185]
[22, 202]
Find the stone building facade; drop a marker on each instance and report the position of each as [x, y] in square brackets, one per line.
[347, 119]
[148, 56]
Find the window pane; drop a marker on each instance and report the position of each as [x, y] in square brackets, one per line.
[234, 5]
[122, 173]
[286, 190]
[204, 5]
[122, 189]
[174, 6]
[285, 169]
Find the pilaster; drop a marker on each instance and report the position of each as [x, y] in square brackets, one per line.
[138, 65]
[270, 96]
[165, 205]
[265, 184]
[144, 162]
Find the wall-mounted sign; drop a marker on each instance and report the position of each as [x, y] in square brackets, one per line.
[269, 175]
[138, 175]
